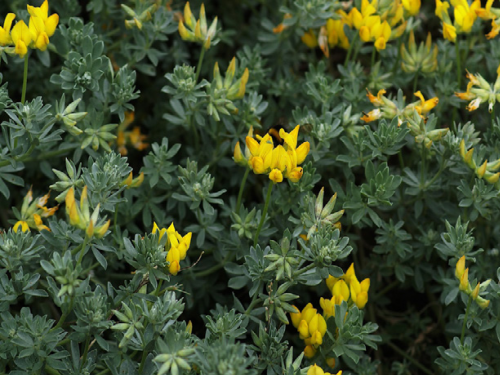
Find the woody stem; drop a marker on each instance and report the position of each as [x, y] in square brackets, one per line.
[264, 213]
[25, 79]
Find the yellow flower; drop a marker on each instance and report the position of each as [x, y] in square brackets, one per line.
[309, 351]
[316, 370]
[495, 29]
[372, 115]
[411, 6]
[41, 26]
[485, 13]
[21, 37]
[449, 32]
[279, 29]
[441, 7]
[310, 39]
[5, 37]
[425, 105]
[276, 176]
[24, 226]
[335, 33]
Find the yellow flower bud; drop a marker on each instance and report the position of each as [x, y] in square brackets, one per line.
[303, 330]
[464, 280]
[460, 268]
[296, 317]
[309, 351]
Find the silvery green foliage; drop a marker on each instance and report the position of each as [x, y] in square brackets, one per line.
[403, 210]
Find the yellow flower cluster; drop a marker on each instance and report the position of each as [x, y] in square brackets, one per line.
[486, 170]
[197, 30]
[389, 109]
[32, 212]
[79, 215]
[462, 274]
[330, 35]
[464, 17]
[342, 288]
[36, 35]
[278, 162]
[376, 21]
[177, 246]
[480, 91]
[379, 25]
[316, 370]
[311, 327]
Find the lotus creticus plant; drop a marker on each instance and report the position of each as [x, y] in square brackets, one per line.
[275, 187]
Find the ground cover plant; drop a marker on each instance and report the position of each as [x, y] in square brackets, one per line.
[246, 187]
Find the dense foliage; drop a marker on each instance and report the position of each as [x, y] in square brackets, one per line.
[245, 187]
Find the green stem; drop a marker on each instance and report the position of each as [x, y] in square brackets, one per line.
[264, 213]
[398, 56]
[116, 216]
[410, 358]
[217, 267]
[85, 352]
[64, 315]
[457, 59]
[415, 82]
[304, 270]
[422, 172]
[158, 288]
[82, 251]
[200, 62]
[349, 51]
[240, 194]
[143, 361]
[493, 117]
[25, 79]
[254, 299]
[465, 320]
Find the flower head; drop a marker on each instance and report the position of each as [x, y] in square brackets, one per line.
[32, 212]
[41, 25]
[176, 246]
[194, 30]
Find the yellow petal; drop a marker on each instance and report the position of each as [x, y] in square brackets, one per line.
[51, 24]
